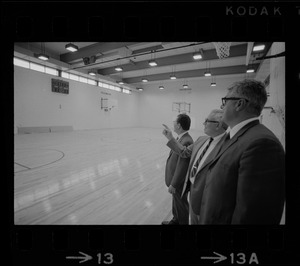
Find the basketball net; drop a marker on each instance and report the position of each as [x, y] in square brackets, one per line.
[222, 49]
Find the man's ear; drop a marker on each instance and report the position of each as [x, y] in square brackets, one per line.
[240, 105]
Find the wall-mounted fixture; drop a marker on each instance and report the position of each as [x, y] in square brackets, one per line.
[89, 60]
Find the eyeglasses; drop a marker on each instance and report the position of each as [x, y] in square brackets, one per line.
[225, 99]
[211, 121]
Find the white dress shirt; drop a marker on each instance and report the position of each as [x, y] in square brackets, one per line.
[180, 135]
[209, 150]
[238, 126]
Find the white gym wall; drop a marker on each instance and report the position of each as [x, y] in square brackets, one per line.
[157, 104]
[35, 105]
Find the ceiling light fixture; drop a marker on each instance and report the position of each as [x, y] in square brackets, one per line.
[213, 82]
[260, 47]
[92, 73]
[207, 69]
[161, 87]
[197, 56]
[185, 86]
[140, 89]
[71, 47]
[43, 56]
[120, 82]
[172, 76]
[118, 68]
[250, 70]
[144, 80]
[152, 63]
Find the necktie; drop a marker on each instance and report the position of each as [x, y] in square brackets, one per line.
[227, 138]
[195, 167]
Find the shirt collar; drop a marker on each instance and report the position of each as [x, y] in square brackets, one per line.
[237, 127]
[216, 138]
[180, 135]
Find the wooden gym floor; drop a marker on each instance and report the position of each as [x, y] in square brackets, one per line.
[92, 177]
[108, 176]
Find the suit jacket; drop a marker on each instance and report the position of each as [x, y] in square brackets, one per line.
[191, 151]
[244, 183]
[176, 167]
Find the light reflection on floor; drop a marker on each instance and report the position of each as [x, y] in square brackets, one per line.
[113, 185]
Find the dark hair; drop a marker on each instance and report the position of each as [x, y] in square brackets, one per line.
[184, 120]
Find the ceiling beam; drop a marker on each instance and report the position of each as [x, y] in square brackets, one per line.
[249, 51]
[238, 50]
[80, 63]
[240, 69]
[24, 53]
[98, 48]
[152, 48]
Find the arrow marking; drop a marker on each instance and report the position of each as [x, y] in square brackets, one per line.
[83, 259]
[219, 258]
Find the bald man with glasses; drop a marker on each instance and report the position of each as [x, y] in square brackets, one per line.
[201, 153]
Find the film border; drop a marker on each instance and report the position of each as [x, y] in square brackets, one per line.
[151, 245]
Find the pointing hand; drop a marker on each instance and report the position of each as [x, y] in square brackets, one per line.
[167, 132]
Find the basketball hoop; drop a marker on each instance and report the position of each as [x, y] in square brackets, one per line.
[222, 49]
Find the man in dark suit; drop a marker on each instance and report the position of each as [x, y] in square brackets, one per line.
[176, 168]
[201, 152]
[245, 183]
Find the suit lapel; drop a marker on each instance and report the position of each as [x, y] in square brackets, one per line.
[196, 149]
[213, 153]
[235, 138]
[180, 141]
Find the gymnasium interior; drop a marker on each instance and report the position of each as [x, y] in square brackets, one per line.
[88, 142]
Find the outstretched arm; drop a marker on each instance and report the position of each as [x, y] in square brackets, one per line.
[181, 150]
